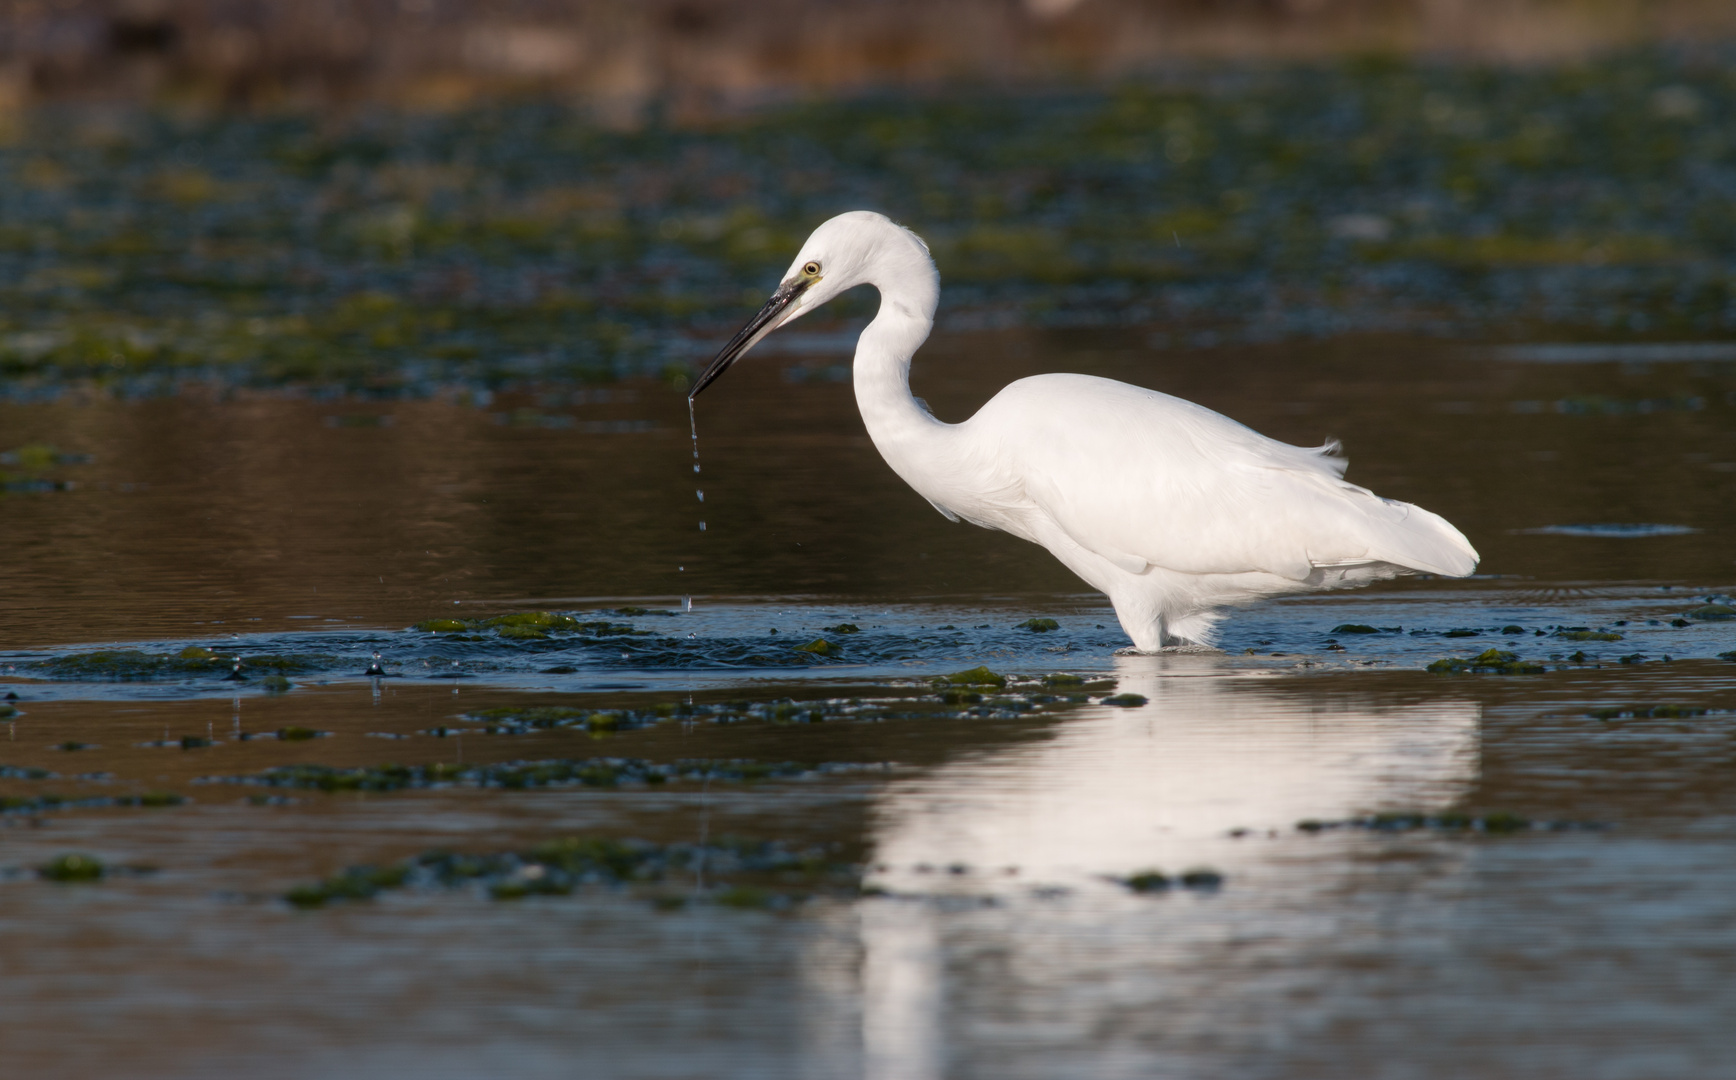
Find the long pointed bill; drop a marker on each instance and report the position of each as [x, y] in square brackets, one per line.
[758, 327]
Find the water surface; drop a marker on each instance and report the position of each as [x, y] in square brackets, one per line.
[1547, 895]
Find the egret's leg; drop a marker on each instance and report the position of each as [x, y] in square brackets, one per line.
[1143, 626]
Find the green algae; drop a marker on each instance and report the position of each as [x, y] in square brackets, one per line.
[977, 676]
[529, 719]
[441, 626]
[72, 868]
[1648, 712]
[1062, 679]
[1354, 628]
[533, 717]
[354, 883]
[531, 620]
[298, 734]
[842, 628]
[744, 874]
[1147, 881]
[1496, 823]
[1125, 701]
[1039, 626]
[275, 684]
[818, 647]
[531, 626]
[1364, 196]
[1582, 634]
[1712, 613]
[523, 775]
[746, 897]
[1502, 823]
[13, 804]
[1202, 877]
[1488, 662]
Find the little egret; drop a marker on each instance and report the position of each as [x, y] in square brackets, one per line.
[1168, 508]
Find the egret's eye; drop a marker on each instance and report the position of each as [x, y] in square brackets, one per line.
[811, 269]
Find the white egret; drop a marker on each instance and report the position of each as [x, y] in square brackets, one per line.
[1171, 510]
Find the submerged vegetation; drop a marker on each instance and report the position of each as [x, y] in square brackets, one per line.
[729, 872]
[531, 626]
[1487, 662]
[1500, 823]
[38, 804]
[519, 775]
[129, 665]
[397, 252]
[1156, 881]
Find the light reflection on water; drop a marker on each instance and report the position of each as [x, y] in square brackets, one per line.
[1116, 790]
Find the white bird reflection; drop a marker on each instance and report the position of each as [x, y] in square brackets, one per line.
[1162, 784]
[1118, 790]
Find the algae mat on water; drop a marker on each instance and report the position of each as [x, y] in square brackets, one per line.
[398, 252]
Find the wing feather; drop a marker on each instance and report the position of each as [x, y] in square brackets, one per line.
[1141, 477]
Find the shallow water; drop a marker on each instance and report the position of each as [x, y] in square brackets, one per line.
[1548, 895]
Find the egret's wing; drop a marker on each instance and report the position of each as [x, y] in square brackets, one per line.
[1142, 478]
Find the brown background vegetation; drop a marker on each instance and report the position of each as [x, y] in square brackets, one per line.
[698, 55]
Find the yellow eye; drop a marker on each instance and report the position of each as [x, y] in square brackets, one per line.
[811, 269]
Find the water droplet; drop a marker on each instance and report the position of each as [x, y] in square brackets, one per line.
[702, 526]
[701, 494]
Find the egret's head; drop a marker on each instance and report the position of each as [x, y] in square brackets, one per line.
[857, 248]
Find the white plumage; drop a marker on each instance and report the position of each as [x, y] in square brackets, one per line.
[1172, 510]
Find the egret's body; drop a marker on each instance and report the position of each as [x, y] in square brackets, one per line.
[1172, 510]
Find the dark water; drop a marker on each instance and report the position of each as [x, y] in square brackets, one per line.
[1548, 897]
[273, 510]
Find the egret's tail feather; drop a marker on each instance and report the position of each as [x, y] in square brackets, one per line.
[1424, 541]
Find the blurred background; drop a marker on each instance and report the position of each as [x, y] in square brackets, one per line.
[701, 56]
[326, 189]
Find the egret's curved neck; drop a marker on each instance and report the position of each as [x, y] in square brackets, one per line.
[899, 425]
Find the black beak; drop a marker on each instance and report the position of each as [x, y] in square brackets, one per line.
[757, 327]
